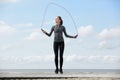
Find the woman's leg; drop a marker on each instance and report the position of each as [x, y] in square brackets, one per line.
[61, 54]
[56, 54]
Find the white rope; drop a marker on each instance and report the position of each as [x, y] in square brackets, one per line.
[62, 8]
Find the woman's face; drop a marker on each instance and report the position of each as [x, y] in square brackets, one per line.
[57, 20]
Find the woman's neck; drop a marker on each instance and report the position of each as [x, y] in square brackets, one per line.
[58, 25]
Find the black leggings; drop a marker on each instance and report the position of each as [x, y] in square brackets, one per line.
[58, 46]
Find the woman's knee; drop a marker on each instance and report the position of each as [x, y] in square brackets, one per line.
[56, 56]
[61, 56]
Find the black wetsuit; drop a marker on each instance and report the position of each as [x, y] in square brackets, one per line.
[58, 42]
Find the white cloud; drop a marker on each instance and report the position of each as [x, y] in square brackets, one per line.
[102, 44]
[85, 30]
[36, 36]
[109, 33]
[93, 59]
[107, 45]
[111, 59]
[26, 59]
[24, 25]
[109, 38]
[70, 58]
[5, 47]
[9, 46]
[9, 1]
[6, 29]
[33, 36]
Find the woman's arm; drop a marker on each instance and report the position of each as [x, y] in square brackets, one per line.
[48, 34]
[64, 30]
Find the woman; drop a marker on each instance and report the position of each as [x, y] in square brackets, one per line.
[58, 29]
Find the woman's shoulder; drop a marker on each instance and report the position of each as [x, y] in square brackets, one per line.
[63, 27]
[53, 26]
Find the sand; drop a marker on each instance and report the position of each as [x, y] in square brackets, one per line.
[80, 78]
[53, 76]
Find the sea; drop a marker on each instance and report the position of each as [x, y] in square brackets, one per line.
[80, 74]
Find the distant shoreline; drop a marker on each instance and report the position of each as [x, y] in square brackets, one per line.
[66, 70]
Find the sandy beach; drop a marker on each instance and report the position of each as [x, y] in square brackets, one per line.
[82, 78]
[53, 76]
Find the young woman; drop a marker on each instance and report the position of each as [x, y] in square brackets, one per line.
[58, 29]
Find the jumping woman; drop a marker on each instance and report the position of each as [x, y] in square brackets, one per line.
[58, 45]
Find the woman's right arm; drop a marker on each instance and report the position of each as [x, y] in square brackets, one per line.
[48, 34]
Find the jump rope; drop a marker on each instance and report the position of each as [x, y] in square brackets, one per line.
[57, 5]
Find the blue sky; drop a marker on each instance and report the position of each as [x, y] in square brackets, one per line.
[24, 46]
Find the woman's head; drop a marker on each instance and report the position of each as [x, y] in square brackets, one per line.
[59, 20]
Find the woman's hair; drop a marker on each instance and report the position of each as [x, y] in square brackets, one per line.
[60, 19]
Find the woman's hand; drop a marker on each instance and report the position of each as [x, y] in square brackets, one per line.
[75, 36]
[43, 31]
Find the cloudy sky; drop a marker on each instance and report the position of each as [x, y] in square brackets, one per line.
[24, 46]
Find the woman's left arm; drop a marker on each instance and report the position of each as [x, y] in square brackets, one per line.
[64, 30]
